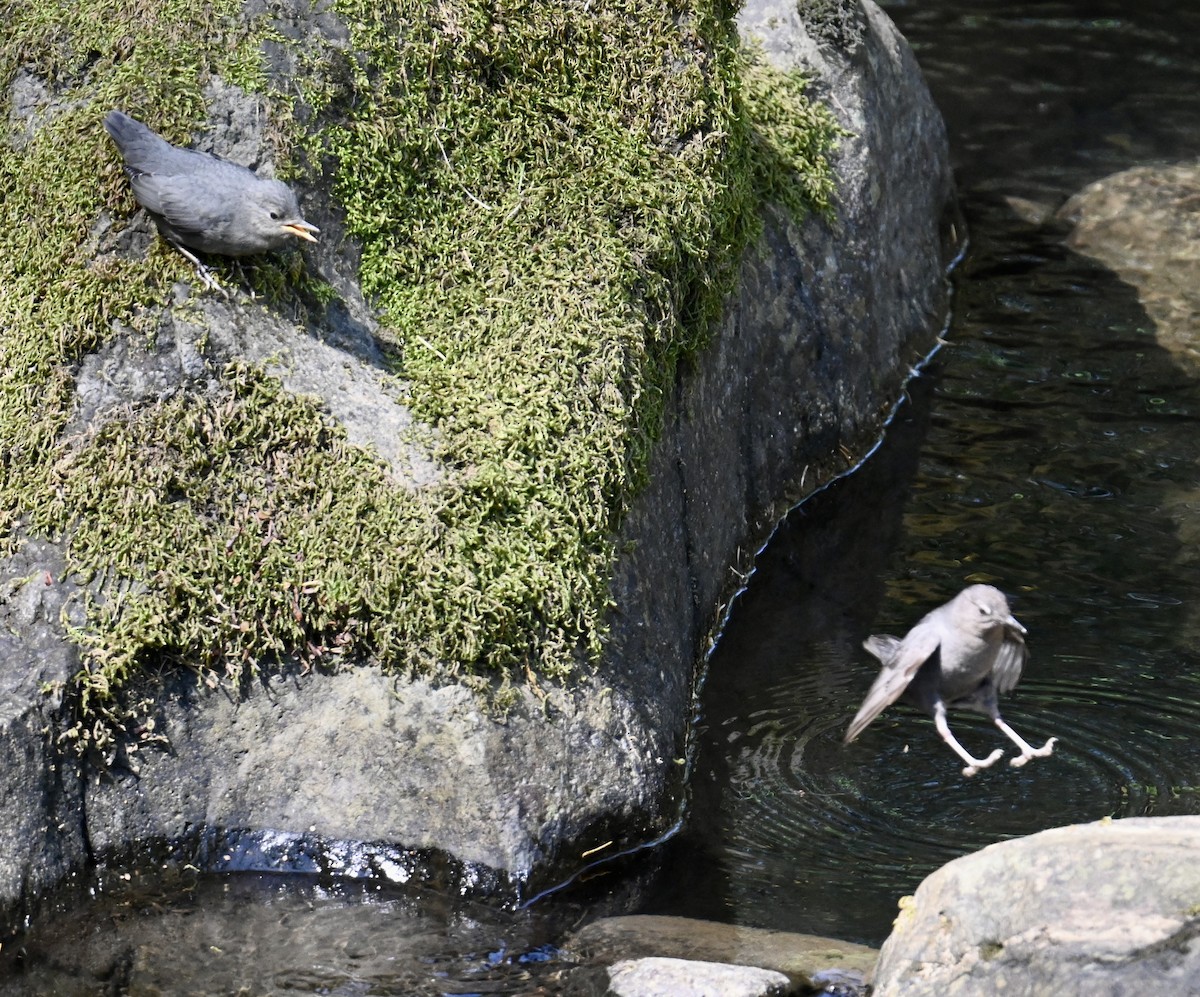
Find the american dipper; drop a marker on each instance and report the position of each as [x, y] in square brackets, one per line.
[201, 201]
[962, 654]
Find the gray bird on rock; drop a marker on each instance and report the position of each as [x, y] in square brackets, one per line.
[963, 654]
[202, 202]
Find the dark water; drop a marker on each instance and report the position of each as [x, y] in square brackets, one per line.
[175, 933]
[1051, 450]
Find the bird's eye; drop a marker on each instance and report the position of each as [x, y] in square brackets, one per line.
[983, 611]
[275, 215]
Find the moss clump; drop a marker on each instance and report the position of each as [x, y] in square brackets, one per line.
[552, 201]
[840, 23]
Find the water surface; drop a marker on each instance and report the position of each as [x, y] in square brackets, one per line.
[1051, 449]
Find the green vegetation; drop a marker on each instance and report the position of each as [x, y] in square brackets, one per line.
[552, 200]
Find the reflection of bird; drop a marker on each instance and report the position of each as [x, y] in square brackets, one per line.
[962, 654]
[202, 202]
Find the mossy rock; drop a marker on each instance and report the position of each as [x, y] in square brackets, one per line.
[544, 206]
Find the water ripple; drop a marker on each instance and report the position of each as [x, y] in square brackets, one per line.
[894, 806]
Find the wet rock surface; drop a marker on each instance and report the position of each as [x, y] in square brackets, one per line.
[42, 829]
[1144, 224]
[808, 962]
[654, 977]
[1096, 908]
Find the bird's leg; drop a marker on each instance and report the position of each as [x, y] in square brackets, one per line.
[1027, 750]
[205, 273]
[973, 764]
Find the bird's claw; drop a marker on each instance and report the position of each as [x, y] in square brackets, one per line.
[978, 766]
[211, 282]
[1043, 752]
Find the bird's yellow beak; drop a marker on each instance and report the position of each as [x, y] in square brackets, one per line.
[301, 230]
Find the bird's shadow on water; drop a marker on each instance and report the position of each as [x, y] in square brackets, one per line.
[1036, 454]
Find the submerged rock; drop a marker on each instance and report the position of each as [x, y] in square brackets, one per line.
[1144, 225]
[656, 977]
[809, 962]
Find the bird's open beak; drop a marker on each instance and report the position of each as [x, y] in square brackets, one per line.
[301, 230]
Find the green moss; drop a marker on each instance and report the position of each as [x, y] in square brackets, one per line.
[552, 201]
[835, 22]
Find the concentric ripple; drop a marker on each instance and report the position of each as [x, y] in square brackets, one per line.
[869, 820]
[1050, 451]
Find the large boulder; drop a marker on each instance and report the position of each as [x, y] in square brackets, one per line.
[1104, 908]
[829, 319]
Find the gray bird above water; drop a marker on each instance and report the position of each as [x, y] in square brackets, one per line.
[962, 654]
[200, 201]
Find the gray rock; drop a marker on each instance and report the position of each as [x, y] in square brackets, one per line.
[42, 834]
[366, 402]
[1105, 908]
[355, 756]
[830, 318]
[808, 961]
[1143, 224]
[28, 96]
[656, 977]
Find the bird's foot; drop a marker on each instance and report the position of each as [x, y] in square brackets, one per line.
[978, 765]
[203, 272]
[1043, 752]
[211, 282]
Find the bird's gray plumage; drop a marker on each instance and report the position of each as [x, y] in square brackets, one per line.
[203, 202]
[962, 654]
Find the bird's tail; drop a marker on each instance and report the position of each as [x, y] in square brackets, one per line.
[883, 646]
[884, 690]
[133, 138]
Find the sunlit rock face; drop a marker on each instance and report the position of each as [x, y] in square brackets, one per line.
[1107, 908]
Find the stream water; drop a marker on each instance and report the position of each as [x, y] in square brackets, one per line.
[1050, 449]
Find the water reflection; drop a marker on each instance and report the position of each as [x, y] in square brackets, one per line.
[175, 933]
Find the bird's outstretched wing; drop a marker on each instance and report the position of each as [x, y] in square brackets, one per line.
[901, 661]
[1010, 660]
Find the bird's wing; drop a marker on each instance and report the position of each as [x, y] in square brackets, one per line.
[180, 202]
[899, 668]
[147, 188]
[1010, 660]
